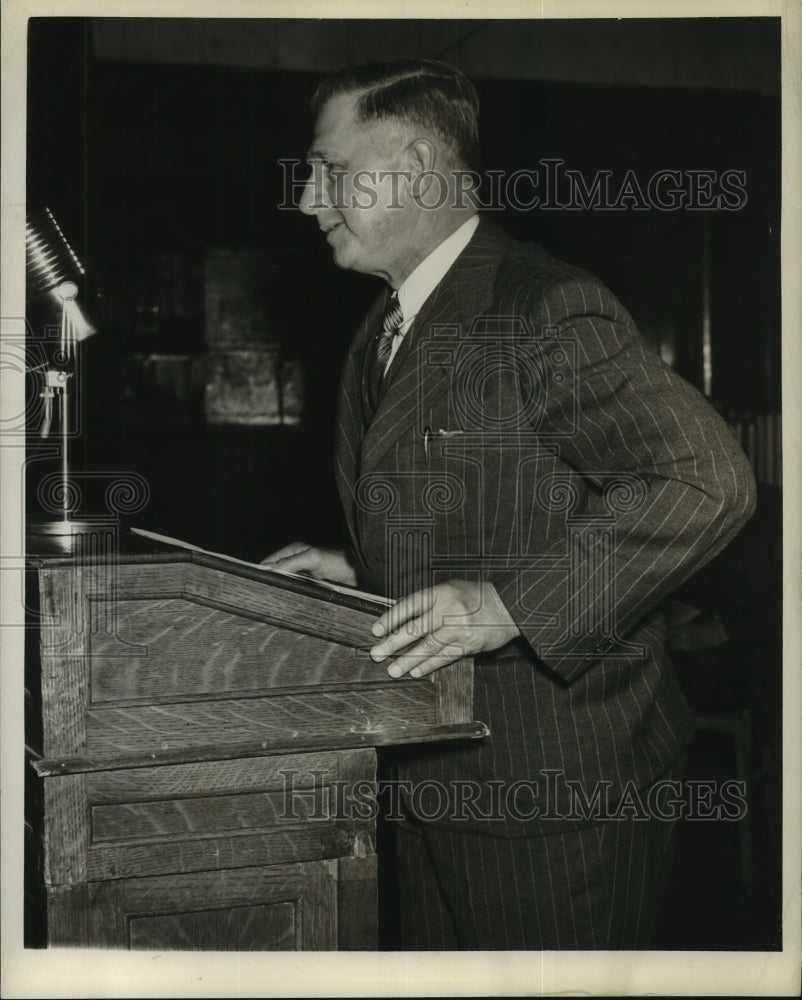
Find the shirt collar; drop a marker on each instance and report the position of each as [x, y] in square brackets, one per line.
[431, 271]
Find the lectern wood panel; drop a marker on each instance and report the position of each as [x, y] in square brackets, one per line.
[174, 658]
[286, 907]
[189, 649]
[209, 769]
[269, 927]
[229, 814]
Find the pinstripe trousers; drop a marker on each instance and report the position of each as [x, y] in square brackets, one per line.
[596, 888]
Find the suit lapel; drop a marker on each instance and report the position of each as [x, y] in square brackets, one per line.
[465, 292]
[351, 417]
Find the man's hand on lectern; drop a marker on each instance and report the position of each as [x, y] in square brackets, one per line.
[320, 564]
[431, 628]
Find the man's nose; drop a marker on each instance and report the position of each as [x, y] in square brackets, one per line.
[313, 196]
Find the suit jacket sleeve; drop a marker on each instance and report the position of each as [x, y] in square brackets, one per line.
[685, 490]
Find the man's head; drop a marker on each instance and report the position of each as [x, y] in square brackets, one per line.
[391, 141]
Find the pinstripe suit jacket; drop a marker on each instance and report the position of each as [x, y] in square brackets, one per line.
[526, 434]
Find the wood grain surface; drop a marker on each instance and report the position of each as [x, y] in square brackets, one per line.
[101, 914]
[204, 734]
[164, 667]
[64, 662]
[138, 728]
[191, 649]
[269, 927]
[207, 815]
[264, 600]
[210, 815]
[301, 743]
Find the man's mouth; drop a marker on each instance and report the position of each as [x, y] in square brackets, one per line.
[328, 230]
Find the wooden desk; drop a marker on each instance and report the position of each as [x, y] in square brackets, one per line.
[207, 754]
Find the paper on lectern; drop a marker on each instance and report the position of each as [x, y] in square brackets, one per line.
[339, 588]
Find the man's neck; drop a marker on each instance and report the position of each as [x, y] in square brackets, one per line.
[442, 225]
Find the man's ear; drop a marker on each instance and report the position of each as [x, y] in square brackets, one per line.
[421, 157]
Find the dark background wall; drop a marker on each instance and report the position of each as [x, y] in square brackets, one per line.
[156, 143]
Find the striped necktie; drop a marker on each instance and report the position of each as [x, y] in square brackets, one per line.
[392, 320]
[391, 325]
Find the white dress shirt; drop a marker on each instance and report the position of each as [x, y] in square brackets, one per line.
[427, 276]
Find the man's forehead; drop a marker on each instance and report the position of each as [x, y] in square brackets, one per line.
[336, 118]
[337, 126]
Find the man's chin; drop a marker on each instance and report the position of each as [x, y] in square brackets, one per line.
[350, 261]
[341, 258]
[347, 261]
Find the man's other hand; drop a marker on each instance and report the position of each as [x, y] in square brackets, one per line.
[434, 627]
[320, 564]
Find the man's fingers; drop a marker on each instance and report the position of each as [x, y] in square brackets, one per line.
[425, 658]
[412, 606]
[411, 632]
[320, 564]
[303, 562]
[293, 549]
[295, 558]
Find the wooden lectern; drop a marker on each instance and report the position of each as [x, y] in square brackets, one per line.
[208, 735]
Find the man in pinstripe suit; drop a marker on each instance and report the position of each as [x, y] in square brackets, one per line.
[529, 481]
